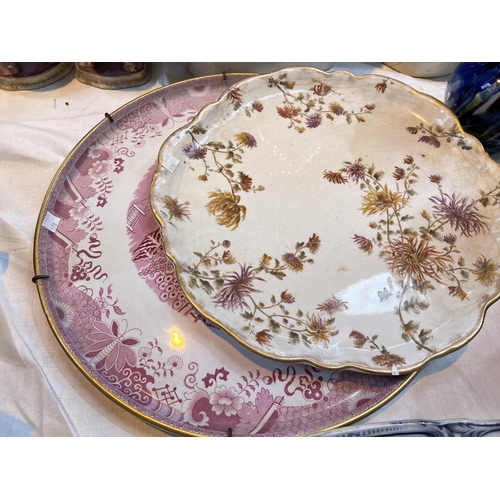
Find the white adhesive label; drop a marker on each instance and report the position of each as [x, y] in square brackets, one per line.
[395, 370]
[51, 222]
[170, 162]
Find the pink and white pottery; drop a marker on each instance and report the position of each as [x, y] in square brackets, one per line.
[115, 306]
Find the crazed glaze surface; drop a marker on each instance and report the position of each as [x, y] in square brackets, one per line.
[115, 306]
[338, 220]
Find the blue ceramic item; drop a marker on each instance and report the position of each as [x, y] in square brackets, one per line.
[473, 94]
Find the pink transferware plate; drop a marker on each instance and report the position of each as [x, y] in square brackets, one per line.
[342, 221]
[115, 306]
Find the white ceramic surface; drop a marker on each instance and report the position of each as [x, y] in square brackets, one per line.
[342, 221]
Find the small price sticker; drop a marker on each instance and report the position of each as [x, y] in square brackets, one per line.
[50, 221]
[395, 370]
[170, 162]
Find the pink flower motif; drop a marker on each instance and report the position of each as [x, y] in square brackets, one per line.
[194, 152]
[226, 400]
[99, 168]
[460, 213]
[175, 362]
[144, 353]
[101, 304]
[153, 131]
[313, 120]
[236, 288]
[356, 171]
[110, 348]
[333, 305]
[79, 212]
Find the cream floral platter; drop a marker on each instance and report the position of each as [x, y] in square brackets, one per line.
[331, 219]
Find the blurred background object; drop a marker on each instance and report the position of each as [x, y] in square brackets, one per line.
[423, 69]
[215, 68]
[114, 75]
[32, 75]
[473, 94]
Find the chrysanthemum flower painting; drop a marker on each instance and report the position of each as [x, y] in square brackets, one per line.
[341, 220]
[418, 254]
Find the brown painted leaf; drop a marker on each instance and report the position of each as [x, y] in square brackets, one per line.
[288, 111]
[336, 108]
[432, 141]
[335, 177]
[358, 338]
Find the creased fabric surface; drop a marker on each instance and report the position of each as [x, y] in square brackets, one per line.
[41, 391]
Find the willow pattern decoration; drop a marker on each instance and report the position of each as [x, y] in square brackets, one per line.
[419, 251]
[151, 352]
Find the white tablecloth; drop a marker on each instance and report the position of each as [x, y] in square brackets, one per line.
[41, 392]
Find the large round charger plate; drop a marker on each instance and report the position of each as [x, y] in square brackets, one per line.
[114, 304]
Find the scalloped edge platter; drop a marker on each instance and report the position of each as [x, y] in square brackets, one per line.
[337, 220]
